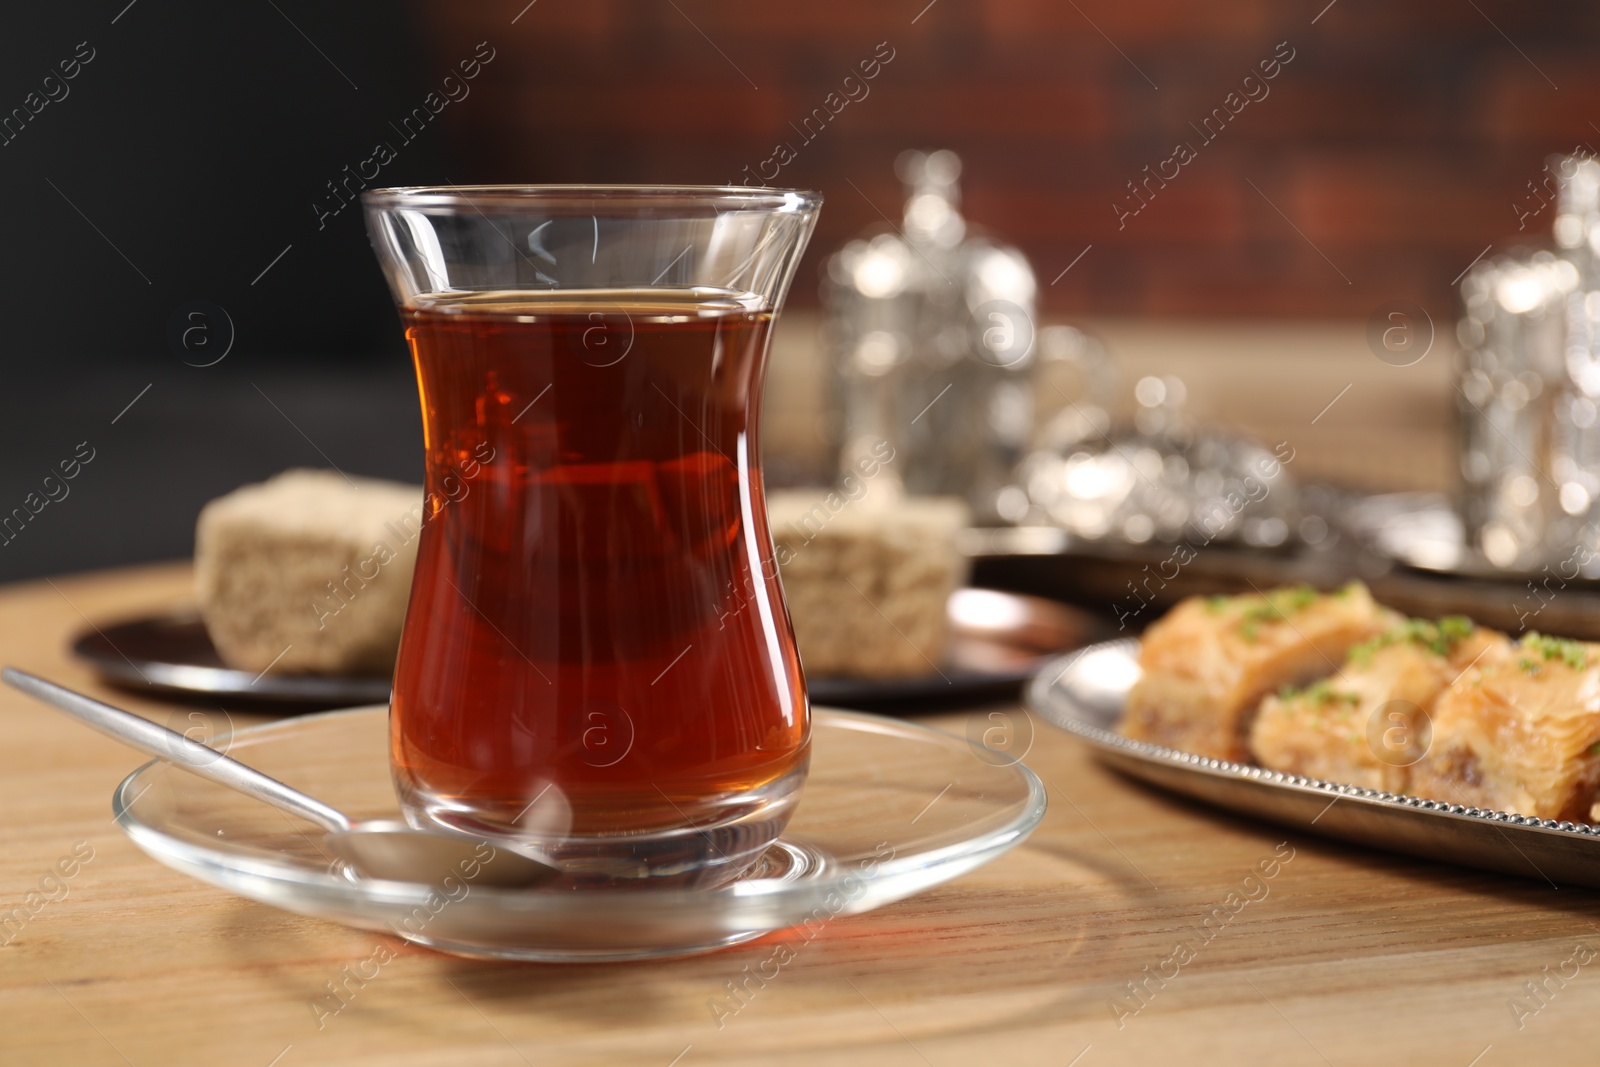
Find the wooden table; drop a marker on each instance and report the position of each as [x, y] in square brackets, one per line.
[1344, 957]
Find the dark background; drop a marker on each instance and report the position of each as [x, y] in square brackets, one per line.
[191, 151]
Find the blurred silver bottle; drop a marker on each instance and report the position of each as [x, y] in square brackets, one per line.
[932, 329]
[1528, 386]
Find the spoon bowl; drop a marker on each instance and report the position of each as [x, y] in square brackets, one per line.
[398, 852]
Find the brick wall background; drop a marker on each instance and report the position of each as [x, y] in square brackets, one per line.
[1397, 141]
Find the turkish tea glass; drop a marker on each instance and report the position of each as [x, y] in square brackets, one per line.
[596, 663]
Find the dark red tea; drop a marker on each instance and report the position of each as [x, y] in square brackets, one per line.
[596, 608]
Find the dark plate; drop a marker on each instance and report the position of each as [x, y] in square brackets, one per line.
[1135, 584]
[1083, 694]
[173, 653]
[997, 642]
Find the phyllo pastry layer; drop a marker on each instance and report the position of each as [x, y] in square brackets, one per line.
[1208, 663]
[1368, 724]
[1520, 733]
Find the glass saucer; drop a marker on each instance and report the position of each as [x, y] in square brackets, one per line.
[889, 809]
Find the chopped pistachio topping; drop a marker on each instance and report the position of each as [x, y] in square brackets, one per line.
[1270, 607]
[1278, 604]
[1570, 652]
[1319, 694]
[1437, 637]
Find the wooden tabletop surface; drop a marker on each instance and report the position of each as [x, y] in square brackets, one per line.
[1324, 954]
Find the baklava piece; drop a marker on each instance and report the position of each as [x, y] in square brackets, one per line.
[1520, 733]
[1368, 724]
[1209, 662]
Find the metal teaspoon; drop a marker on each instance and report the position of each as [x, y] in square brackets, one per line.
[376, 848]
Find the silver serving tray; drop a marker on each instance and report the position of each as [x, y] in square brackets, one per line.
[1423, 531]
[1083, 693]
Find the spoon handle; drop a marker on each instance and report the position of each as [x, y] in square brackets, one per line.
[174, 748]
